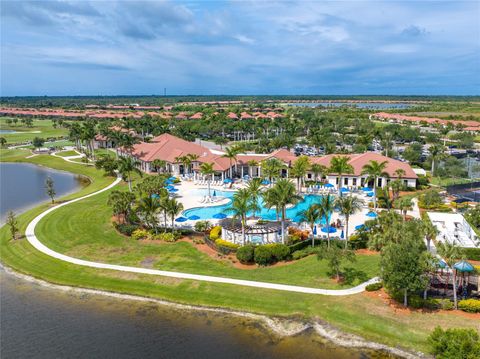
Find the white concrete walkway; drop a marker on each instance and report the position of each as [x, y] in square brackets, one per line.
[32, 238]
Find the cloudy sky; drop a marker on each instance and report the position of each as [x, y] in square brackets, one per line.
[239, 47]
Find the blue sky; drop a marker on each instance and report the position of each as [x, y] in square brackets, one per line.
[240, 47]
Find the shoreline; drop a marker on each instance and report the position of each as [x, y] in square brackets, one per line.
[282, 327]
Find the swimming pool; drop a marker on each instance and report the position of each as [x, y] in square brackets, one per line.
[293, 213]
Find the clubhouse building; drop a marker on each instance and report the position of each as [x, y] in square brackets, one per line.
[171, 151]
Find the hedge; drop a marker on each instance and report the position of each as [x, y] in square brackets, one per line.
[374, 287]
[245, 254]
[215, 232]
[472, 253]
[469, 305]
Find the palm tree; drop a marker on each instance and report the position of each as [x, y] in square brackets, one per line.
[206, 169]
[325, 208]
[400, 172]
[396, 186]
[282, 194]
[339, 165]
[311, 216]
[404, 204]
[348, 206]
[451, 253]
[231, 153]
[127, 165]
[254, 188]
[374, 170]
[158, 164]
[251, 164]
[430, 231]
[148, 208]
[299, 170]
[318, 170]
[436, 152]
[173, 209]
[75, 133]
[88, 135]
[240, 207]
[271, 168]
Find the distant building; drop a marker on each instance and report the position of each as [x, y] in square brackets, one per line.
[454, 228]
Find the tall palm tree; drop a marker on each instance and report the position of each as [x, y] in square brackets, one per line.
[348, 206]
[400, 172]
[240, 207]
[174, 208]
[127, 165]
[451, 253]
[231, 153]
[75, 133]
[374, 170]
[404, 204]
[318, 170]
[251, 164]
[299, 170]
[148, 208]
[339, 165]
[283, 193]
[206, 169]
[271, 168]
[325, 208]
[311, 215]
[254, 188]
[436, 152]
[430, 231]
[88, 133]
[158, 164]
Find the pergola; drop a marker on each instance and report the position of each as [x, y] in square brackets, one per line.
[258, 233]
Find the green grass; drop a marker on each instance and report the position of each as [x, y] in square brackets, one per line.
[67, 153]
[443, 182]
[41, 128]
[363, 314]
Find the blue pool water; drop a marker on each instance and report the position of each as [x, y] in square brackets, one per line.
[293, 213]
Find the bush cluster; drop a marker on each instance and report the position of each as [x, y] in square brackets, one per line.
[141, 234]
[245, 254]
[296, 235]
[225, 246]
[304, 252]
[472, 253]
[455, 343]
[203, 226]
[374, 287]
[126, 229]
[469, 305]
[417, 302]
[215, 233]
[271, 253]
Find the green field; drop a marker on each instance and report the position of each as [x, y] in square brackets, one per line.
[363, 314]
[41, 128]
[67, 153]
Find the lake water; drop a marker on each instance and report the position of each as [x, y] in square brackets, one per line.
[41, 322]
[23, 184]
[7, 131]
[362, 105]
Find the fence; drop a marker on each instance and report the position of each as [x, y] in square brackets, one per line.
[466, 191]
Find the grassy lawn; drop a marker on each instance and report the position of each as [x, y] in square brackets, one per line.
[363, 314]
[67, 153]
[41, 128]
[443, 182]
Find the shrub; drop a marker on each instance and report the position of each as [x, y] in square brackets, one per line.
[215, 233]
[469, 305]
[374, 287]
[472, 253]
[454, 343]
[430, 199]
[245, 254]
[167, 237]
[126, 229]
[263, 256]
[304, 252]
[445, 304]
[140, 234]
[296, 235]
[226, 247]
[203, 226]
[280, 251]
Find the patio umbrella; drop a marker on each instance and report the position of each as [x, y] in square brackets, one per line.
[344, 190]
[441, 264]
[369, 194]
[172, 178]
[155, 195]
[265, 182]
[328, 229]
[463, 266]
[314, 231]
[367, 189]
[181, 219]
[227, 180]
[342, 235]
[193, 217]
[169, 187]
[328, 185]
[360, 226]
[173, 190]
[219, 216]
[372, 214]
[214, 193]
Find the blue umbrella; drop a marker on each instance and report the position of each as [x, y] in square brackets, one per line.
[328, 229]
[227, 180]
[314, 230]
[181, 219]
[342, 235]
[441, 264]
[367, 189]
[173, 190]
[219, 216]
[168, 182]
[193, 217]
[265, 182]
[344, 190]
[169, 187]
[463, 266]
[214, 193]
[360, 226]
[172, 178]
[155, 195]
[372, 214]
[329, 185]
[369, 194]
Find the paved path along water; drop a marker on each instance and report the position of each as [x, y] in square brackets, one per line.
[35, 242]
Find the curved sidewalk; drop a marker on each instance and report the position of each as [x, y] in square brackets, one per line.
[32, 238]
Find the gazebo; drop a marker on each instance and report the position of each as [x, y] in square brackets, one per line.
[256, 233]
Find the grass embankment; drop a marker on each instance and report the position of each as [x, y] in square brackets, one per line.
[67, 153]
[363, 314]
[40, 128]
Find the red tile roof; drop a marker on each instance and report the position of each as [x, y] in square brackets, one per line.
[430, 120]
